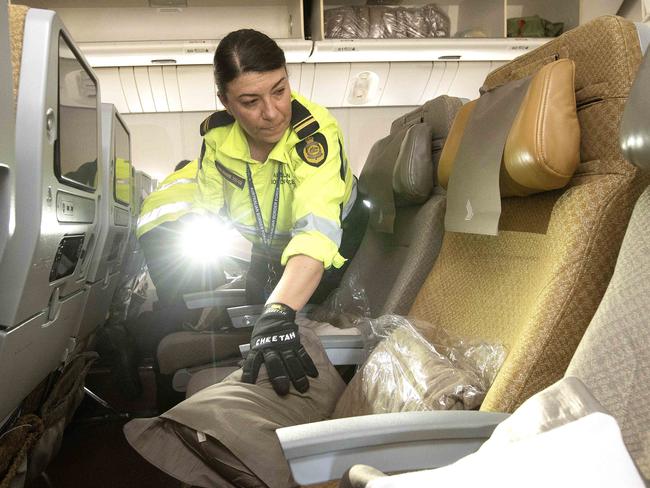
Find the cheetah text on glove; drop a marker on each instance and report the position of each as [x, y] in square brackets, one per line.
[275, 338]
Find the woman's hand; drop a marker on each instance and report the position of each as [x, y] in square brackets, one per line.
[276, 343]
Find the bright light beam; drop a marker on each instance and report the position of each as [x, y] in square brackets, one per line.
[206, 239]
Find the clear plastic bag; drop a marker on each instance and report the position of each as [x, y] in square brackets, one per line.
[344, 306]
[437, 21]
[406, 372]
[382, 21]
[346, 23]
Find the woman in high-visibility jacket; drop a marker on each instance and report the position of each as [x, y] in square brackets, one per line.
[273, 164]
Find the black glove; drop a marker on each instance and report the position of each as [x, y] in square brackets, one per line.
[276, 342]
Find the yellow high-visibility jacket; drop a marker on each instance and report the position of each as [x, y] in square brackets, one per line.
[317, 189]
[123, 180]
[174, 197]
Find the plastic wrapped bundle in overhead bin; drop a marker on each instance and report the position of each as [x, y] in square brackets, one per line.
[386, 22]
[345, 23]
[437, 21]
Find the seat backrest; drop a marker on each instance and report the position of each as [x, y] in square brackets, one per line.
[390, 268]
[613, 358]
[535, 286]
[134, 257]
[114, 221]
[56, 189]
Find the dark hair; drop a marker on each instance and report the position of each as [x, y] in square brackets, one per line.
[182, 164]
[242, 51]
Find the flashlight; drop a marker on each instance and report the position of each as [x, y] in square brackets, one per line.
[207, 239]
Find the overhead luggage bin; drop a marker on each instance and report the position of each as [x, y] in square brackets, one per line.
[57, 183]
[174, 53]
[462, 30]
[177, 20]
[114, 219]
[403, 50]
[129, 34]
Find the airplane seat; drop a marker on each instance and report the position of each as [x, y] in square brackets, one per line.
[115, 220]
[133, 264]
[56, 187]
[613, 357]
[536, 285]
[55, 180]
[388, 268]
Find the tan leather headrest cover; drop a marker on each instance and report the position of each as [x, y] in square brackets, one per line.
[450, 149]
[543, 147]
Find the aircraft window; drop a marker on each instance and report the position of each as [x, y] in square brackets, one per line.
[75, 150]
[122, 181]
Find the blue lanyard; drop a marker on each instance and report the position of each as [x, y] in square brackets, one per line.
[266, 237]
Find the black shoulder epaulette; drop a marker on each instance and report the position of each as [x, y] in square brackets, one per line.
[302, 121]
[217, 119]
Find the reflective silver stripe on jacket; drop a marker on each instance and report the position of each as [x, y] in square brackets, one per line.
[161, 212]
[329, 228]
[353, 198]
[182, 180]
[122, 181]
[252, 230]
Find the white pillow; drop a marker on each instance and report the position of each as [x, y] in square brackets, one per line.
[586, 452]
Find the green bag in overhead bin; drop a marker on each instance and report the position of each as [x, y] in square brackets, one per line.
[533, 26]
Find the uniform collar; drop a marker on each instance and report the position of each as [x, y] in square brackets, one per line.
[235, 146]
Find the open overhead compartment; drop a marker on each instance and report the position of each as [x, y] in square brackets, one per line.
[421, 30]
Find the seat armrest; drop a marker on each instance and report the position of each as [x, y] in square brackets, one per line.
[215, 298]
[408, 441]
[340, 349]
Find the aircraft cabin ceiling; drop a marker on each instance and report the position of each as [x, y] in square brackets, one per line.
[155, 56]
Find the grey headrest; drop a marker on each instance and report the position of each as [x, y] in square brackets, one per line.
[438, 113]
[403, 158]
[413, 172]
[635, 126]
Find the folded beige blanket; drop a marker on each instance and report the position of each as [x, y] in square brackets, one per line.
[243, 418]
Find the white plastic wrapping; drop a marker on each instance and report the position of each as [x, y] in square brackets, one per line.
[344, 306]
[406, 372]
[386, 22]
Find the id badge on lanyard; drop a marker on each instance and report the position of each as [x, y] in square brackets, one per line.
[266, 237]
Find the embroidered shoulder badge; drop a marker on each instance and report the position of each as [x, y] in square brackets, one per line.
[313, 149]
